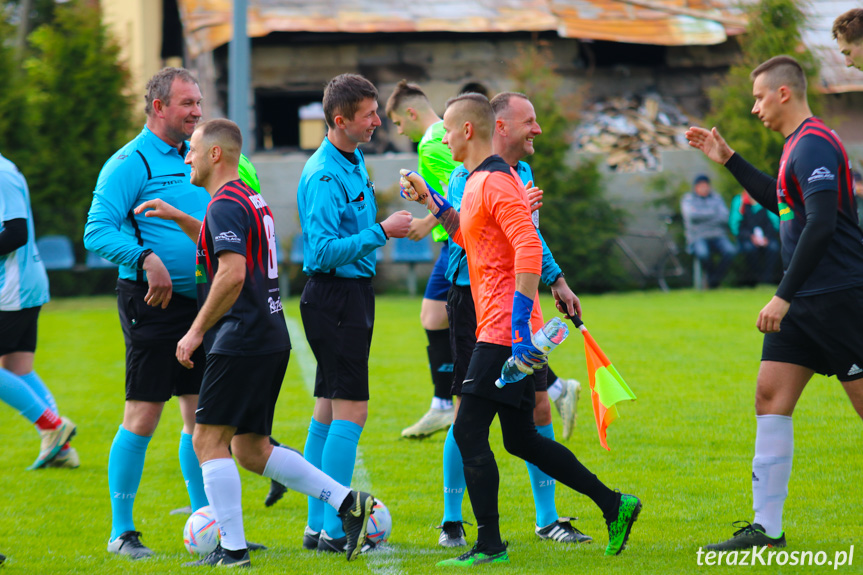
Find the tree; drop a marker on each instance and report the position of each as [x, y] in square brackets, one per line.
[774, 29]
[77, 113]
[577, 221]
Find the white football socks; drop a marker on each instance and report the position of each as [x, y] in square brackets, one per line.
[224, 491]
[555, 390]
[290, 469]
[440, 403]
[771, 470]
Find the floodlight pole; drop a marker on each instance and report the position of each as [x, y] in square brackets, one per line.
[239, 73]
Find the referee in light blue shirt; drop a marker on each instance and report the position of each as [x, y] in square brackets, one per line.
[156, 290]
[337, 207]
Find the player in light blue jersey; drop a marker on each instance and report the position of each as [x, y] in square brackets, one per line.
[23, 291]
[515, 129]
[156, 289]
[337, 207]
[410, 110]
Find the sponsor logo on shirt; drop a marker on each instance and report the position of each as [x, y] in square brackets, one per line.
[821, 173]
[258, 201]
[171, 183]
[275, 304]
[228, 236]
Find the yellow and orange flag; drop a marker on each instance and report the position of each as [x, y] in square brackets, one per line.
[607, 387]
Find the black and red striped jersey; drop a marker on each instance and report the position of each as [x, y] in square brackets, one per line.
[239, 220]
[814, 161]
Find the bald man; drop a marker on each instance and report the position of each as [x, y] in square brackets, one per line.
[504, 257]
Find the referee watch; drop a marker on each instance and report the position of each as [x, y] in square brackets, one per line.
[144, 255]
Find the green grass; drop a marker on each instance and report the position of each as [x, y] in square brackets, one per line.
[685, 447]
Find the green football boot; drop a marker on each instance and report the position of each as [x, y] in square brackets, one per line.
[479, 555]
[618, 530]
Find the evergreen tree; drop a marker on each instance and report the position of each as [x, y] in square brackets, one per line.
[774, 29]
[578, 223]
[77, 115]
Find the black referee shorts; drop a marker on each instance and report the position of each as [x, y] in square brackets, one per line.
[461, 312]
[18, 330]
[241, 391]
[151, 333]
[338, 317]
[823, 332]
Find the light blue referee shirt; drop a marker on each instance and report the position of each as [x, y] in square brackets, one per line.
[145, 169]
[337, 206]
[23, 280]
[456, 271]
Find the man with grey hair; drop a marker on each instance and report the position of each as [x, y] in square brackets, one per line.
[812, 323]
[156, 289]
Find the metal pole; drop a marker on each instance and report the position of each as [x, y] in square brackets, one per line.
[239, 73]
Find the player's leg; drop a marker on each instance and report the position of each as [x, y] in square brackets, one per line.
[150, 335]
[224, 491]
[339, 324]
[482, 478]
[854, 389]
[461, 315]
[521, 439]
[125, 468]
[21, 388]
[339, 458]
[277, 490]
[433, 317]
[54, 431]
[189, 464]
[778, 388]
[541, 485]
[564, 393]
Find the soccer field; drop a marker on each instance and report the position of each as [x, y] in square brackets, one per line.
[685, 448]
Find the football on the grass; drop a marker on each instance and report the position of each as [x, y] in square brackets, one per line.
[201, 533]
[380, 524]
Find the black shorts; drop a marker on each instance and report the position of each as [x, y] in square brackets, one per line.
[151, 333]
[483, 371]
[540, 378]
[823, 332]
[241, 391]
[338, 317]
[461, 312]
[18, 330]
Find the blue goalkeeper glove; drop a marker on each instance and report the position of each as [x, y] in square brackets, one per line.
[527, 356]
[421, 192]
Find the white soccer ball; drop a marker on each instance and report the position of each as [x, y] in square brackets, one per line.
[380, 524]
[201, 533]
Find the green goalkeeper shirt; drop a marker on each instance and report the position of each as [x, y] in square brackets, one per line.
[435, 165]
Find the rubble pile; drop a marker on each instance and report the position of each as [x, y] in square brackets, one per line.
[629, 131]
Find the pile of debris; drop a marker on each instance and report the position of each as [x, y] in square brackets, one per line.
[630, 131]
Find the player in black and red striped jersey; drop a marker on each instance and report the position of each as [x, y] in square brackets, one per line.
[813, 323]
[242, 327]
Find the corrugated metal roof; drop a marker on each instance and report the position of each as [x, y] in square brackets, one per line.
[664, 22]
[207, 23]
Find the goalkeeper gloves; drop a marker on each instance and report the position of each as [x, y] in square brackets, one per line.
[527, 356]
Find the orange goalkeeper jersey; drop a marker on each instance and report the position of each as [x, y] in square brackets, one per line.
[500, 241]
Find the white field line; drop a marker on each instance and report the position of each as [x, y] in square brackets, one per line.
[386, 560]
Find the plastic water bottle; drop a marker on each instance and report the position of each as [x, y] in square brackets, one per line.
[545, 339]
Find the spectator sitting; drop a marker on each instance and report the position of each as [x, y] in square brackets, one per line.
[705, 220]
[757, 232]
